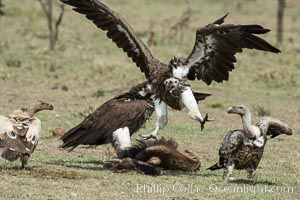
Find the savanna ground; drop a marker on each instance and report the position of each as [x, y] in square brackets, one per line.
[94, 70]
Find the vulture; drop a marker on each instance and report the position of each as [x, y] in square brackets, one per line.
[153, 157]
[211, 59]
[243, 148]
[114, 121]
[20, 132]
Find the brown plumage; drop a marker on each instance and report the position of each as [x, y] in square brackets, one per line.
[152, 157]
[20, 132]
[212, 57]
[243, 149]
[229, 40]
[130, 110]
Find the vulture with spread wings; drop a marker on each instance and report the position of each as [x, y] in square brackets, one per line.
[212, 57]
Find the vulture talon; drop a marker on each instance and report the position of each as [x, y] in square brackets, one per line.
[206, 119]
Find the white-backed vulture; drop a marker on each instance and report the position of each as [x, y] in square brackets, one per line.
[211, 59]
[20, 132]
[243, 149]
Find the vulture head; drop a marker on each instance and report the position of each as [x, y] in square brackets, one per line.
[239, 110]
[171, 84]
[144, 89]
[41, 105]
[179, 74]
[37, 106]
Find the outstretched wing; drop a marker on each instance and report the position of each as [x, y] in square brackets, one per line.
[213, 55]
[118, 30]
[274, 127]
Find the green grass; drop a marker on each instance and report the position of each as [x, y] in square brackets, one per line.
[94, 70]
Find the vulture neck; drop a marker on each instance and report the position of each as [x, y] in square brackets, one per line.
[250, 131]
[31, 111]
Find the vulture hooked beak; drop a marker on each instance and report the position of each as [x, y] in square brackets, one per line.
[230, 110]
[240, 110]
[49, 107]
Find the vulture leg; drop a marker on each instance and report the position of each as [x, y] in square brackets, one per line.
[121, 141]
[227, 173]
[24, 160]
[161, 118]
[190, 103]
[251, 173]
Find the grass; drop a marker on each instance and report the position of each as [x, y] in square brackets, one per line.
[93, 70]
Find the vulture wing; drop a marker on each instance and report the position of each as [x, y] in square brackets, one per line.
[274, 127]
[231, 142]
[117, 29]
[213, 55]
[98, 127]
[9, 139]
[33, 134]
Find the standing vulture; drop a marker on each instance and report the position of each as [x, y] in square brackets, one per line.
[243, 149]
[20, 132]
[211, 59]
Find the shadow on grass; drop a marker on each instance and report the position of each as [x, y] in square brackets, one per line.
[16, 168]
[252, 182]
[43, 173]
[191, 174]
[86, 165]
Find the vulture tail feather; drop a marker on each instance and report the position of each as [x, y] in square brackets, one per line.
[200, 96]
[215, 167]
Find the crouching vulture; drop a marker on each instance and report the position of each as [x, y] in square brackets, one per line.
[243, 149]
[20, 132]
[114, 121]
[211, 59]
[154, 157]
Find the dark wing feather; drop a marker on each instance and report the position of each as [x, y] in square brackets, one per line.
[118, 30]
[274, 127]
[213, 55]
[12, 146]
[200, 96]
[98, 127]
[221, 20]
[14, 142]
[231, 142]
